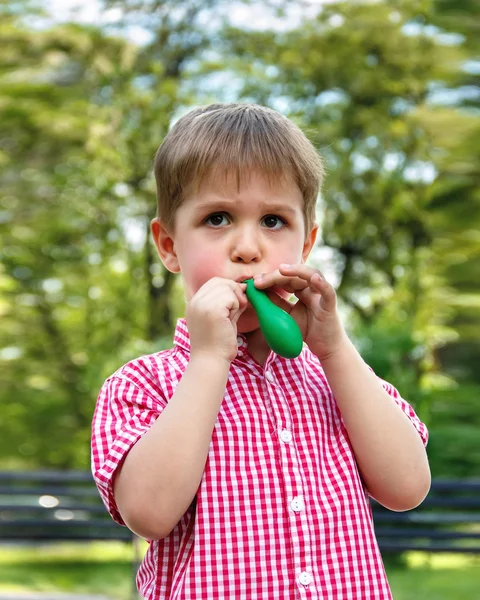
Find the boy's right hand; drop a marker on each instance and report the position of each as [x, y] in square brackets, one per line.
[212, 316]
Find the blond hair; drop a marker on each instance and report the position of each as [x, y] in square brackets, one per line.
[242, 138]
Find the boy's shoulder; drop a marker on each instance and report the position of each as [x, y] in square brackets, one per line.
[150, 369]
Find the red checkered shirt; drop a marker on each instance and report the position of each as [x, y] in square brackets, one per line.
[281, 512]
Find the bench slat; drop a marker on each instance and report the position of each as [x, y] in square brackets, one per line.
[432, 527]
[67, 523]
[425, 533]
[44, 510]
[426, 547]
[50, 490]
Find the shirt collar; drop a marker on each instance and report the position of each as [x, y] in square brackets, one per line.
[181, 337]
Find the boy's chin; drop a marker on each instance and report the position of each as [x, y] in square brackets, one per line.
[248, 322]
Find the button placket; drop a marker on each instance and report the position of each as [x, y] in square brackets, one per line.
[297, 504]
[269, 376]
[305, 578]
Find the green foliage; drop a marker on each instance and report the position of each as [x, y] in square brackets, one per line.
[388, 347]
[454, 426]
[449, 407]
[81, 290]
[380, 89]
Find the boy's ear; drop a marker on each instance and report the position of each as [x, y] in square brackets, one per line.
[165, 245]
[309, 242]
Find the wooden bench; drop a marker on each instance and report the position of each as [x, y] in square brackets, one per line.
[59, 506]
[448, 520]
[56, 506]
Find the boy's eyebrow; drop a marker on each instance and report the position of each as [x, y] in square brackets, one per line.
[225, 203]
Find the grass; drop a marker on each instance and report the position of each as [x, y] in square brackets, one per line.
[436, 577]
[106, 569]
[97, 568]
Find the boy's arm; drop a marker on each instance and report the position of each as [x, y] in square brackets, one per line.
[388, 449]
[161, 474]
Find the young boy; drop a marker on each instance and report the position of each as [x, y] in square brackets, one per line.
[249, 473]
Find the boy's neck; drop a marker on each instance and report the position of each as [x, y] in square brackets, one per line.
[257, 346]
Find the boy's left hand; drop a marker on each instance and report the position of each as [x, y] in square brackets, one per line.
[316, 311]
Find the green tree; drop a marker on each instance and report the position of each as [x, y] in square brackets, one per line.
[383, 91]
[77, 294]
[83, 110]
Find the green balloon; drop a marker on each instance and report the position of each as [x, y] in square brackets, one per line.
[280, 330]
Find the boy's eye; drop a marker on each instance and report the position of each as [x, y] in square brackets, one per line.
[273, 222]
[217, 219]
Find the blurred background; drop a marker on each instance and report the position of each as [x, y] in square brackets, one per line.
[387, 90]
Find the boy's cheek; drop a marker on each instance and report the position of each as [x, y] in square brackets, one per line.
[203, 267]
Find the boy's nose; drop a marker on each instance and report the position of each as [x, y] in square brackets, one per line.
[246, 247]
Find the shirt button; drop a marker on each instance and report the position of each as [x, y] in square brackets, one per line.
[286, 436]
[239, 340]
[297, 504]
[269, 376]
[305, 578]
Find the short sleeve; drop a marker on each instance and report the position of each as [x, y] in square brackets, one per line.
[407, 409]
[125, 410]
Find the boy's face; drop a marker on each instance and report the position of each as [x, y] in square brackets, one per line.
[223, 231]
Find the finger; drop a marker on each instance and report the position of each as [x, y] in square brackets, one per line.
[327, 291]
[241, 295]
[234, 316]
[236, 312]
[275, 278]
[240, 303]
[302, 271]
[319, 286]
[217, 285]
[220, 296]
